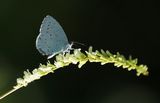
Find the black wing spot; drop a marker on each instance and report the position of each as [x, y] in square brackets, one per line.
[47, 28]
[50, 35]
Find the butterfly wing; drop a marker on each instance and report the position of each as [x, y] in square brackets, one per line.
[52, 39]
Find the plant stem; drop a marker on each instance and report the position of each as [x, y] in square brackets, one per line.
[8, 93]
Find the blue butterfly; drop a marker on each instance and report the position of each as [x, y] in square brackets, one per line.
[52, 39]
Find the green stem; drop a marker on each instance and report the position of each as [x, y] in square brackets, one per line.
[79, 58]
[8, 93]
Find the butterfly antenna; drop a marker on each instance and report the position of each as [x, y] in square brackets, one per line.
[74, 43]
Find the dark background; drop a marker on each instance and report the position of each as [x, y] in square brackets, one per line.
[129, 27]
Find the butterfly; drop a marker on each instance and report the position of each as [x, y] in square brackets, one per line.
[52, 39]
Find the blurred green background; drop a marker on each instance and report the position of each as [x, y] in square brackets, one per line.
[130, 27]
